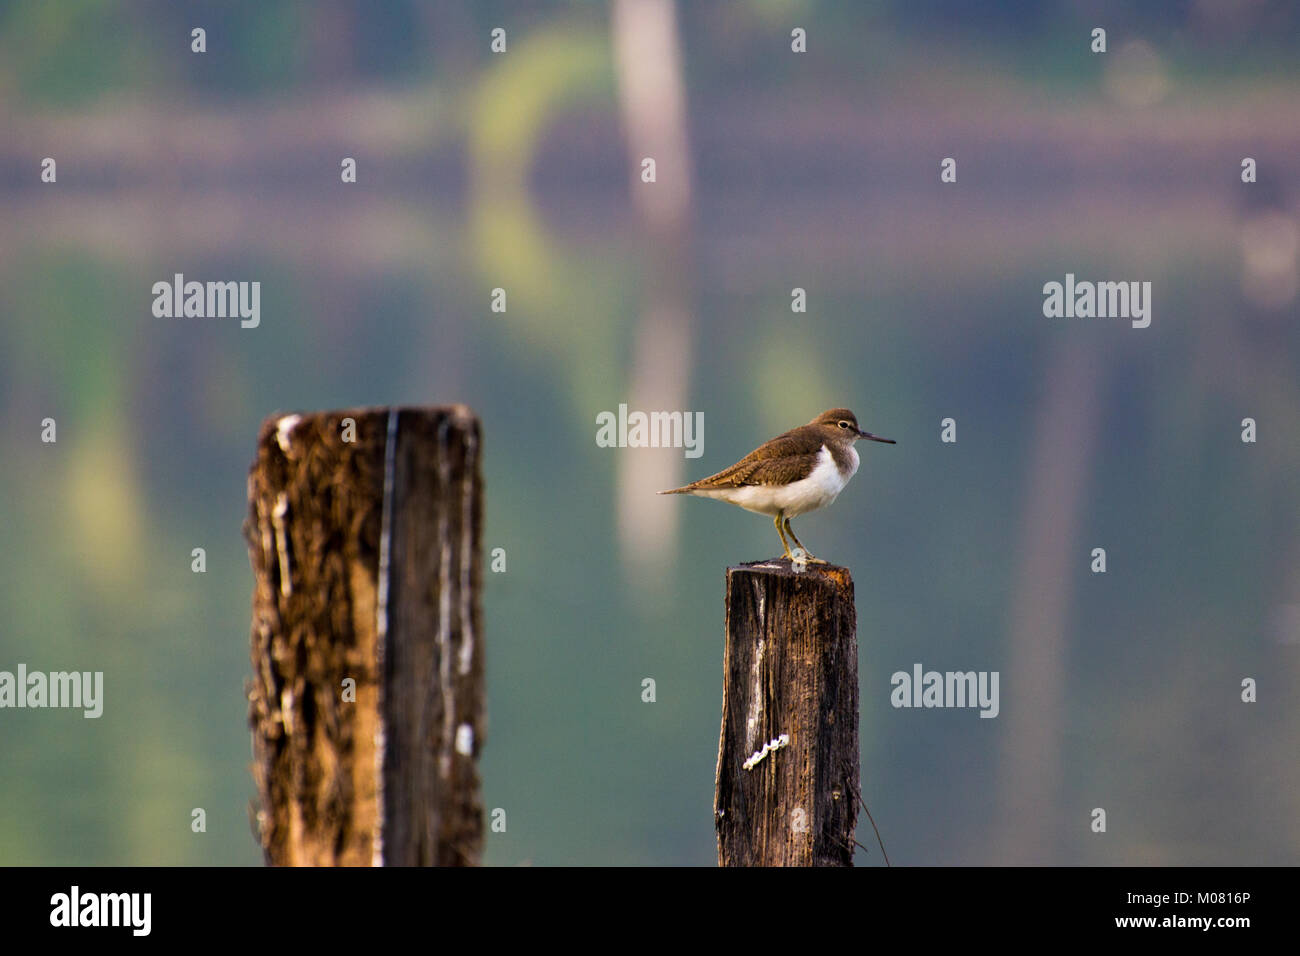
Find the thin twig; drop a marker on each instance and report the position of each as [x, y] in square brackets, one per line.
[857, 792]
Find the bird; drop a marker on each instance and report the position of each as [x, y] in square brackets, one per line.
[799, 471]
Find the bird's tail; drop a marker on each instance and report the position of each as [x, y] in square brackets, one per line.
[683, 490]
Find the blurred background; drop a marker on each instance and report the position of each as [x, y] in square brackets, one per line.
[775, 170]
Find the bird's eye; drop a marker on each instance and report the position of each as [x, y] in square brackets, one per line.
[844, 424]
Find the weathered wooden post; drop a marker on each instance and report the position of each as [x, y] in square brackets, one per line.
[366, 702]
[788, 767]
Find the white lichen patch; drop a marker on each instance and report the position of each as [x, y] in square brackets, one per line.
[774, 744]
[465, 740]
[284, 432]
[282, 543]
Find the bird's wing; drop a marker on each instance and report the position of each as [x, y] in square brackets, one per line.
[778, 470]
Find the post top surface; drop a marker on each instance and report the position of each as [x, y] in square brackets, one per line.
[784, 568]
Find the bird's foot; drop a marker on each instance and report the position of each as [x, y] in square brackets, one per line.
[802, 556]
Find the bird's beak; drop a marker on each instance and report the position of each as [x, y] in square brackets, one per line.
[888, 441]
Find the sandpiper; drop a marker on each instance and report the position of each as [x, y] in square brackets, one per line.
[800, 471]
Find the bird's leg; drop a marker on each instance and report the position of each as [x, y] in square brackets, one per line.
[780, 516]
[799, 544]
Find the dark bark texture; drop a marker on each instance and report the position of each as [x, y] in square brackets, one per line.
[366, 563]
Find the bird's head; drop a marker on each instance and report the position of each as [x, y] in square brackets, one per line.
[841, 423]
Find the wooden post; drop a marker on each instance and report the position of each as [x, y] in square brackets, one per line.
[366, 702]
[788, 767]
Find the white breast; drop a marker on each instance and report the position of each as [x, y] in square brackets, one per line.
[820, 488]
